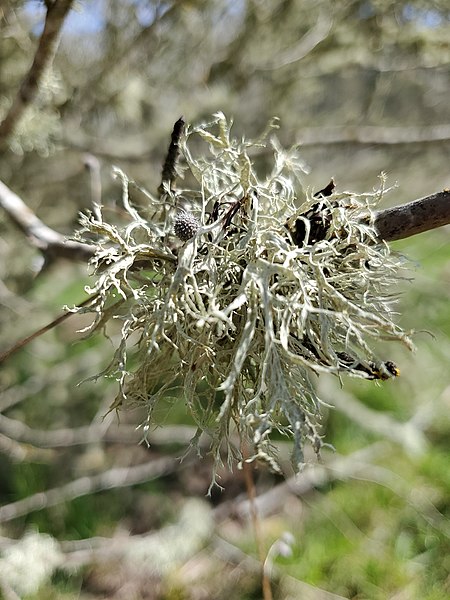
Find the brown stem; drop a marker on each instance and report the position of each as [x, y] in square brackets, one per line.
[23, 342]
[46, 50]
[248, 469]
[415, 217]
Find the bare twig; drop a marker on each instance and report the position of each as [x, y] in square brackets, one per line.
[379, 135]
[230, 553]
[24, 341]
[124, 434]
[339, 468]
[92, 164]
[415, 217]
[47, 240]
[110, 479]
[12, 449]
[248, 469]
[406, 434]
[65, 437]
[303, 47]
[46, 50]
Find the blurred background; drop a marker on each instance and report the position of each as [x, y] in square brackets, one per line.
[88, 512]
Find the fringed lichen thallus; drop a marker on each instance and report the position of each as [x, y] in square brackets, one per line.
[243, 286]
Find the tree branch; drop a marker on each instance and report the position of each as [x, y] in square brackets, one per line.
[338, 467]
[392, 224]
[46, 50]
[17, 431]
[315, 36]
[415, 217]
[406, 433]
[51, 243]
[347, 134]
[112, 478]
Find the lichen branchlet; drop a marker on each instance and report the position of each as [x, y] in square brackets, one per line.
[240, 289]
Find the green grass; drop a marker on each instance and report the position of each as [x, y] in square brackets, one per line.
[360, 540]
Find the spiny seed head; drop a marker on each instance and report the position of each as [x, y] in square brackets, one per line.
[185, 225]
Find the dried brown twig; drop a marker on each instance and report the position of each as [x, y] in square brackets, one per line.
[24, 341]
[248, 469]
[415, 217]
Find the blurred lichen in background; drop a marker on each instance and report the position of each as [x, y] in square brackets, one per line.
[269, 286]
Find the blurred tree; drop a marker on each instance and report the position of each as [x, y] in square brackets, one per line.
[362, 84]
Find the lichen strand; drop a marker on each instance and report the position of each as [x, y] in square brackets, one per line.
[239, 318]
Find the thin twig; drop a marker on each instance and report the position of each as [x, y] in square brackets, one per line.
[374, 135]
[230, 553]
[24, 341]
[47, 240]
[75, 436]
[248, 469]
[67, 436]
[110, 479]
[92, 164]
[46, 50]
[406, 434]
[315, 36]
[314, 475]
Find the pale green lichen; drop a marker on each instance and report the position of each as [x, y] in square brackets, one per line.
[29, 563]
[240, 319]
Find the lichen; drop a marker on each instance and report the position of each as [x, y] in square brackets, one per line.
[275, 287]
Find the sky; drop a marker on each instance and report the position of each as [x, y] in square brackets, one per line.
[88, 16]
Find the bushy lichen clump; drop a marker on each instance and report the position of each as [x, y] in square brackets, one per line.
[275, 286]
